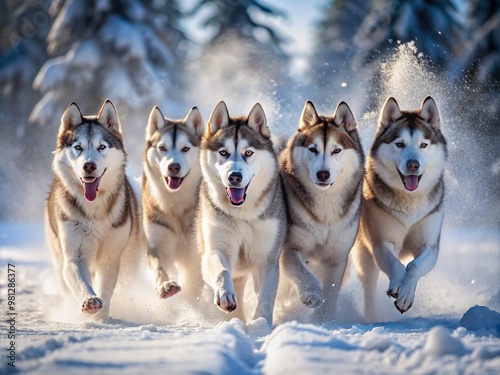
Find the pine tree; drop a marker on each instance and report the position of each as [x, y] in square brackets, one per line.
[433, 25]
[117, 49]
[480, 56]
[331, 63]
[242, 62]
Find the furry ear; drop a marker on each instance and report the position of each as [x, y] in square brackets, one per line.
[309, 116]
[71, 117]
[219, 118]
[108, 116]
[257, 120]
[344, 117]
[156, 122]
[194, 121]
[430, 113]
[389, 113]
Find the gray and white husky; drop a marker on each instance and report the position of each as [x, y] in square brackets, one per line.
[402, 202]
[92, 214]
[322, 167]
[241, 221]
[170, 186]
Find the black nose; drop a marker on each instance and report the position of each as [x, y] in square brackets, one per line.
[412, 165]
[174, 168]
[89, 167]
[235, 178]
[323, 175]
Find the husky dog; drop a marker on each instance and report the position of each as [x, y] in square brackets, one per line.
[242, 221]
[170, 184]
[402, 202]
[92, 213]
[322, 167]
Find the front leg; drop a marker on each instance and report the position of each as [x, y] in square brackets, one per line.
[77, 277]
[417, 268]
[160, 257]
[332, 275]
[216, 270]
[309, 288]
[267, 279]
[389, 263]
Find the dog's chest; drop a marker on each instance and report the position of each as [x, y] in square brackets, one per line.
[257, 239]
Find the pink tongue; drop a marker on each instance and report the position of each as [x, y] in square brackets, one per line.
[236, 194]
[411, 182]
[91, 189]
[174, 182]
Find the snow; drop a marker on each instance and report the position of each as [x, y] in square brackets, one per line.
[443, 333]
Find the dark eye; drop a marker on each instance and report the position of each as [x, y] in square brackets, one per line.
[313, 150]
[162, 148]
[248, 153]
[78, 148]
[223, 153]
[101, 147]
[400, 144]
[185, 149]
[336, 151]
[423, 145]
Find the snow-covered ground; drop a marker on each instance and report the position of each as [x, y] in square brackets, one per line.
[148, 336]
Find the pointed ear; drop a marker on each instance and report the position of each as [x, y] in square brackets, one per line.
[389, 113]
[156, 122]
[344, 117]
[71, 117]
[194, 121]
[219, 118]
[430, 113]
[108, 116]
[257, 120]
[309, 116]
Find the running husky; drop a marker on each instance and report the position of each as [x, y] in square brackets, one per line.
[91, 214]
[170, 184]
[241, 222]
[402, 202]
[322, 167]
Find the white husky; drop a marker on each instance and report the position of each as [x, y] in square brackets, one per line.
[241, 221]
[402, 202]
[92, 214]
[322, 168]
[170, 186]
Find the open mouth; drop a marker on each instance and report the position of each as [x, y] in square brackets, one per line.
[173, 182]
[237, 196]
[410, 181]
[91, 186]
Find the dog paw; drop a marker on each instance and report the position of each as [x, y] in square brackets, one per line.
[92, 305]
[312, 297]
[406, 296]
[168, 289]
[396, 280]
[226, 301]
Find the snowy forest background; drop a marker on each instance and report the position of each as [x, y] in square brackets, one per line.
[177, 54]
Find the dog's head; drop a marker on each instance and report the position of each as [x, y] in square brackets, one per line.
[173, 145]
[90, 150]
[325, 146]
[237, 153]
[409, 145]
